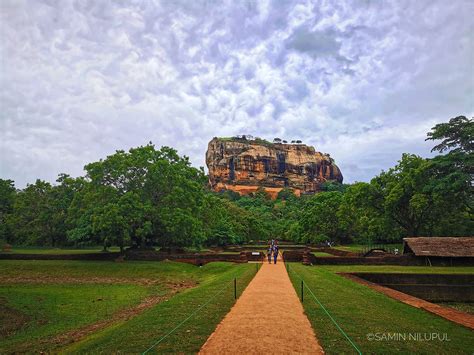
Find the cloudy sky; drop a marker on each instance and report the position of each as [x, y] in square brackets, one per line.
[362, 80]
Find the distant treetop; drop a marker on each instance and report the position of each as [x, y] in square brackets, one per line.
[248, 137]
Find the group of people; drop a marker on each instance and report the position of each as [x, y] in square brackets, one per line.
[272, 250]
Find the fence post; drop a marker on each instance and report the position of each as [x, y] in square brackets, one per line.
[235, 288]
[302, 290]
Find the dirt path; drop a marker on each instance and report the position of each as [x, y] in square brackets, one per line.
[268, 317]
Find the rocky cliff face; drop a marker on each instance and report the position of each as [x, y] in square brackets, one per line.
[244, 165]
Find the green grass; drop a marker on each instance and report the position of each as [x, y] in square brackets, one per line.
[357, 248]
[320, 253]
[68, 300]
[159, 271]
[55, 309]
[197, 250]
[140, 333]
[361, 311]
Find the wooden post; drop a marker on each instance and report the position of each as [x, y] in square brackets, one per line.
[302, 290]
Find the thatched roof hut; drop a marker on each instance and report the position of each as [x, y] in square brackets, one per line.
[448, 248]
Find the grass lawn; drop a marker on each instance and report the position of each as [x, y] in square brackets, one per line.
[361, 311]
[321, 253]
[145, 330]
[131, 271]
[67, 295]
[197, 250]
[357, 248]
[54, 309]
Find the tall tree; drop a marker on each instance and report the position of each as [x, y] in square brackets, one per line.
[32, 219]
[7, 199]
[457, 135]
[405, 198]
[454, 175]
[319, 219]
[166, 183]
[123, 221]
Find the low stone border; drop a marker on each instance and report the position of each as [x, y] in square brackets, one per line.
[308, 258]
[86, 256]
[143, 255]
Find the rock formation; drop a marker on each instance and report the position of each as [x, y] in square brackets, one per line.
[244, 165]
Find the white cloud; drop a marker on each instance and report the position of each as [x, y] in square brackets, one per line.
[363, 81]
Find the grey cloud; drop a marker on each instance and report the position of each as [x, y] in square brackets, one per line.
[363, 81]
[315, 43]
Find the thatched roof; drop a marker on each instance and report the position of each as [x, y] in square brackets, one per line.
[439, 246]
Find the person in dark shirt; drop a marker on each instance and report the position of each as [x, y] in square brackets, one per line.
[275, 253]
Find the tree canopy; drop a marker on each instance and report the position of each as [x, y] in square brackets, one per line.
[149, 197]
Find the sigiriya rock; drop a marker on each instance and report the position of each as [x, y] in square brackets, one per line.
[244, 164]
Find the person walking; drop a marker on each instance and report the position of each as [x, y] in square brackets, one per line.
[269, 254]
[275, 253]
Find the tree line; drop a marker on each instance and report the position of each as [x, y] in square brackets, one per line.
[154, 197]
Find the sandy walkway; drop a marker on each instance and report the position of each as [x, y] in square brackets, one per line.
[268, 317]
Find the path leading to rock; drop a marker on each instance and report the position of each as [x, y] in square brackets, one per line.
[268, 317]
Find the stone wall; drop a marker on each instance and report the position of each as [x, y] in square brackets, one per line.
[91, 256]
[143, 255]
[430, 287]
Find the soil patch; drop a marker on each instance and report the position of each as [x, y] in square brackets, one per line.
[122, 315]
[11, 320]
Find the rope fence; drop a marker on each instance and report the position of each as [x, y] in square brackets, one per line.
[304, 285]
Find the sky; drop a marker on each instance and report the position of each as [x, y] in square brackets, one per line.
[361, 80]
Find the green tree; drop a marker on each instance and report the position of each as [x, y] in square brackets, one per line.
[362, 215]
[457, 135]
[89, 202]
[417, 199]
[319, 219]
[286, 194]
[7, 200]
[31, 221]
[166, 183]
[453, 174]
[455, 170]
[121, 221]
[333, 186]
[403, 194]
[60, 199]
